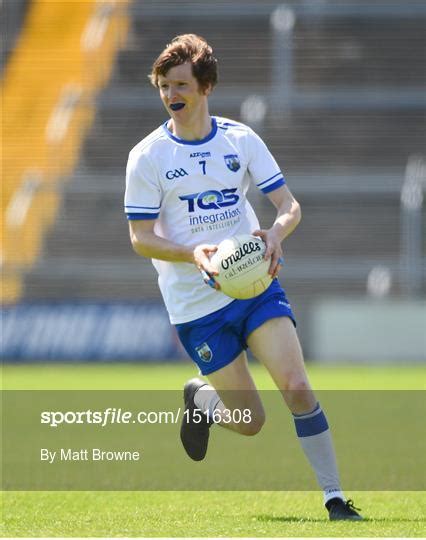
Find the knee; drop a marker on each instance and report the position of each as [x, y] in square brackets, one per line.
[298, 394]
[297, 383]
[253, 427]
[293, 381]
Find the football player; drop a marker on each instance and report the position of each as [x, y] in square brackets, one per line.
[186, 191]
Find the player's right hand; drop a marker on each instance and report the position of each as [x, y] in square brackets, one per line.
[201, 256]
[209, 280]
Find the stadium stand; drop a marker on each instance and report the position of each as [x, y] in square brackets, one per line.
[355, 114]
[63, 56]
[12, 16]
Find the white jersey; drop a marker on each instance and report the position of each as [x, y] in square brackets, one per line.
[196, 190]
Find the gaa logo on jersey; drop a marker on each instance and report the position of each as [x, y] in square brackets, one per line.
[177, 173]
[232, 162]
[204, 352]
[211, 199]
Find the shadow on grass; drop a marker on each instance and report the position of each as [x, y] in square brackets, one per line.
[288, 519]
[395, 520]
[298, 519]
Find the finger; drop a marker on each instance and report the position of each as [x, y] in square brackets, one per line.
[259, 233]
[274, 266]
[205, 249]
[213, 271]
[269, 251]
[208, 279]
[202, 257]
[262, 234]
[209, 268]
[206, 266]
[208, 251]
[210, 248]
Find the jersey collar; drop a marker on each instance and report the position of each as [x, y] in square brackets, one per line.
[192, 143]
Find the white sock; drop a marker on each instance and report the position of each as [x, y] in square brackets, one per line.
[315, 439]
[207, 399]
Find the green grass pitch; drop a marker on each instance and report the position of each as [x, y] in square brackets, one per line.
[204, 514]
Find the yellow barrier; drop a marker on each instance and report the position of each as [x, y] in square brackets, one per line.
[63, 58]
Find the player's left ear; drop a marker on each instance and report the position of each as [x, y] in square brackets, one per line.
[206, 91]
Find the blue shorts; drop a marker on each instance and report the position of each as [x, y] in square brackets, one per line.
[215, 340]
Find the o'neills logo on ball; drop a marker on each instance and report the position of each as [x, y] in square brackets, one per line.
[246, 249]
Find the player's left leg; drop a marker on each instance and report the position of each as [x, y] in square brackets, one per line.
[276, 345]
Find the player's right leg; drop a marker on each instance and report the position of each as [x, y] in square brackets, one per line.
[237, 391]
[231, 389]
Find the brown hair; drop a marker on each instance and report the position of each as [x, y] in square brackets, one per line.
[187, 48]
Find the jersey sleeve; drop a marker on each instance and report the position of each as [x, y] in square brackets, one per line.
[262, 166]
[142, 199]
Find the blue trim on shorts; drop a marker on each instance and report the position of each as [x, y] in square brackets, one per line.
[215, 340]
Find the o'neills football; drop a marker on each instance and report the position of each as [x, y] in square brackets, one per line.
[243, 272]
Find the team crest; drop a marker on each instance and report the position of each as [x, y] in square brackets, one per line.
[232, 162]
[204, 352]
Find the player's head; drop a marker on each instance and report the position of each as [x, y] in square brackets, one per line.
[187, 48]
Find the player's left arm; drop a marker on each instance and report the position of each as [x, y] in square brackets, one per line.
[288, 217]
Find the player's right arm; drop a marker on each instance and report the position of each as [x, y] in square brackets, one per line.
[143, 199]
[148, 244]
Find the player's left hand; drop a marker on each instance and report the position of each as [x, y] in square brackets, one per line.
[273, 251]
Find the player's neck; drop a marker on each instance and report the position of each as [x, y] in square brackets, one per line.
[191, 131]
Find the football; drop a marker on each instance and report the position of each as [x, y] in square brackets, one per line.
[242, 270]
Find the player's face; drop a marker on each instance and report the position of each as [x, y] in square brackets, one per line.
[181, 94]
